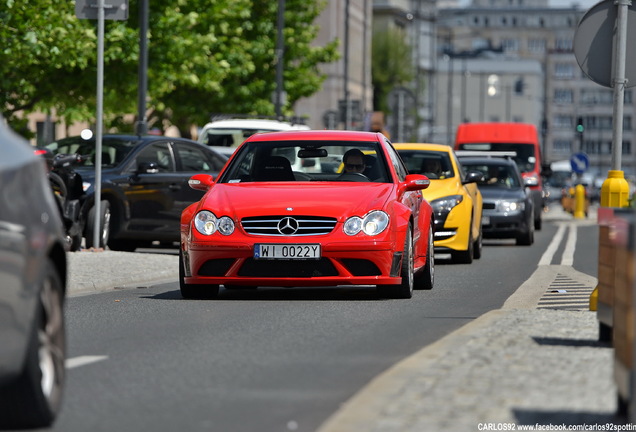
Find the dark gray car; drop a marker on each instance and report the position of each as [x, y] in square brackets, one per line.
[508, 206]
[32, 289]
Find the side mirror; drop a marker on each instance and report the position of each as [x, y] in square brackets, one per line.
[474, 177]
[148, 168]
[414, 182]
[201, 182]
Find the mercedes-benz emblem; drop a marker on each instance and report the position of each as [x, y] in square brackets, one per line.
[288, 226]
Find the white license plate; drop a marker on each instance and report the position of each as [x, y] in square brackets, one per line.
[287, 251]
[485, 220]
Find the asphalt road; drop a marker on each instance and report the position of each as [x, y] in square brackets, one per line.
[142, 358]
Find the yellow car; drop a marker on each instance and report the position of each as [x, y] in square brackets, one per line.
[454, 196]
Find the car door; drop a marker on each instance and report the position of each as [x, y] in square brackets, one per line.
[153, 192]
[193, 159]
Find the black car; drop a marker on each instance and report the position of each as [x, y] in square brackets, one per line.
[144, 186]
[33, 272]
[508, 206]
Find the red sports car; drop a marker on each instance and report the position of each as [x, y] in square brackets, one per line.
[309, 208]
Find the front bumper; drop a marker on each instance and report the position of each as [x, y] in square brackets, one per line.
[341, 263]
[497, 225]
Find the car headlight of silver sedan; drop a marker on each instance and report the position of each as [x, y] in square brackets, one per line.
[372, 224]
[506, 206]
[207, 223]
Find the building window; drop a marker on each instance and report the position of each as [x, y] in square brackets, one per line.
[564, 70]
[45, 132]
[536, 45]
[563, 122]
[509, 45]
[563, 45]
[562, 147]
[563, 96]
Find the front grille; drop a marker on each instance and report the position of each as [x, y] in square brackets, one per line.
[288, 268]
[288, 225]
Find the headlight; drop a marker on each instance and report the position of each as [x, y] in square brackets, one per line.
[510, 206]
[446, 204]
[85, 186]
[372, 224]
[207, 223]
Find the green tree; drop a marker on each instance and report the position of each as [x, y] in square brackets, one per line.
[391, 65]
[204, 56]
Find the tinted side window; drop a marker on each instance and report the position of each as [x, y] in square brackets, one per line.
[196, 159]
[158, 153]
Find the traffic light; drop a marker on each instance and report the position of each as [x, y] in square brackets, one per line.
[579, 125]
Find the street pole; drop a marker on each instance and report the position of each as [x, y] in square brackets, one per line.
[280, 51]
[615, 190]
[142, 120]
[99, 121]
[346, 69]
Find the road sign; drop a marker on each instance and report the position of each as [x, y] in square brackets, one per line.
[579, 162]
[594, 43]
[114, 10]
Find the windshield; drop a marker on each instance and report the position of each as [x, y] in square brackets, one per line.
[525, 159]
[114, 150]
[433, 164]
[495, 175]
[307, 161]
[230, 137]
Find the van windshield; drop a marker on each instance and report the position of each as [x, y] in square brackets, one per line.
[526, 159]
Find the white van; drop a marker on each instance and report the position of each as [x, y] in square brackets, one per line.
[225, 135]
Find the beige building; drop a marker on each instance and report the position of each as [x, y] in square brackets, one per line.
[530, 30]
[348, 79]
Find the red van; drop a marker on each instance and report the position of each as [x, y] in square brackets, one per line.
[521, 138]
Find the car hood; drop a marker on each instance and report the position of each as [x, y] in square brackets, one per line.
[442, 188]
[327, 199]
[495, 193]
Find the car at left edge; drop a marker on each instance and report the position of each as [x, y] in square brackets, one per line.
[33, 271]
[284, 212]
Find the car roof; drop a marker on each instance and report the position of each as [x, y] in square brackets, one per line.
[488, 160]
[316, 135]
[256, 123]
[423, 146]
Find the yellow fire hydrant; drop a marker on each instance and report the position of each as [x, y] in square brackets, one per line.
[579, 202]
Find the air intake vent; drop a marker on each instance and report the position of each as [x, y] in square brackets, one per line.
[288, 225]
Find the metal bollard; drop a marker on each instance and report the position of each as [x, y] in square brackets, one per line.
[579, 202]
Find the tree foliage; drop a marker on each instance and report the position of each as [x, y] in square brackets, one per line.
[391, 65]
[204, 57]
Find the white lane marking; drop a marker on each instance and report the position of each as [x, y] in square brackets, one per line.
[83, 361]
[546, 259]
[570, 245]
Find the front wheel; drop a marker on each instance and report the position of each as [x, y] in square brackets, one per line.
[104, 226]
[404, 290]
[33, 400]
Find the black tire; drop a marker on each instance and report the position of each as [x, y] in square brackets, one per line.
[477, 246]
[403, 290]
[526, 238]
[425, 278]
[33, 400]
[194, 291]
[104, 229]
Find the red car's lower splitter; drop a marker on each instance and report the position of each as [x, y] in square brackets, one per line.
[369, 263]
